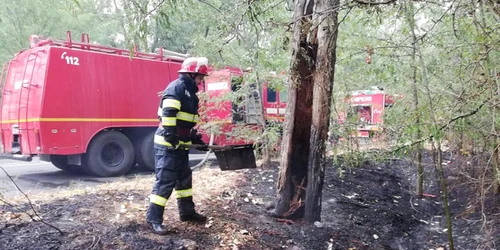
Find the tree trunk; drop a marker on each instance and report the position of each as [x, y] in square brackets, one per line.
[496, 168]
[410, 15]
[493, 93]
[265, 148]
[306, 125]
[297, 125]
[444, 187]
[326, 22]
[418, 133]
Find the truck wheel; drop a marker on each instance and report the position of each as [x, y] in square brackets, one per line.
[110, 153]
[144, 152]
[61, 162]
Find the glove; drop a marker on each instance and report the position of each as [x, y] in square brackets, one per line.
[173, 140]
[196, 139]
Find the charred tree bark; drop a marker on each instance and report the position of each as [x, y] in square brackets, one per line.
[326, 23]
[297, 126]
[306, 125]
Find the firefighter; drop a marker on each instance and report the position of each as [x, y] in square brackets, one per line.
[178, 113]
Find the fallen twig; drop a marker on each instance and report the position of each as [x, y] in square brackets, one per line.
[29, 202]
[245, 214]
[286, 221]
[354, 203]
[95, 242]
[411, 204]
[372, 3]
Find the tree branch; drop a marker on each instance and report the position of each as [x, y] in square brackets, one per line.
[345, 16]
[146, 15]
[211, 6]
[337, 8]
[371, 2]
[363, 51]
[270, 7]
[436, 22]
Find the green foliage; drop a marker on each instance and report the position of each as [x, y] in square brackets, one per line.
[52, 18]
[453, 45]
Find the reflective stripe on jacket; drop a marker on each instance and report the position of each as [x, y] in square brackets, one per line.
[178, 110]
[161, 141]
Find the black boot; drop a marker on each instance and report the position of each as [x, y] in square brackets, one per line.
[158, 228]
[154, 218]
[195, 217]
[187, 211]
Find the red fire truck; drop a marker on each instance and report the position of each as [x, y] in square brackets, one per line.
[364, 109]
[93, 108]
[266, 102]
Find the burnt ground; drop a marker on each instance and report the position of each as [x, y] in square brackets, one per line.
[370, 206]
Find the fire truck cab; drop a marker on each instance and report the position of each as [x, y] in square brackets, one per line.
[236, 105]
[364, 110]
[274, 100]
[229, 108]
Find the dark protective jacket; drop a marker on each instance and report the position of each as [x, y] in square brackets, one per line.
[178, 111]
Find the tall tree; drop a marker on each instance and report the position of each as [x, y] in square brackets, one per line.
[295, 142]
[308, 111]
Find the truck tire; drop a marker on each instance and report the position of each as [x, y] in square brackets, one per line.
[110, 153]
[144, 152]
[61, 162]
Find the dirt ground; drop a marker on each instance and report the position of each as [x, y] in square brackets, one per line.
[366, 207]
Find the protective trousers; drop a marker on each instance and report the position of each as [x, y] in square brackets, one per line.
[172, 171]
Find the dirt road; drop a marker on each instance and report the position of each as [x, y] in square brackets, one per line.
[36, 176]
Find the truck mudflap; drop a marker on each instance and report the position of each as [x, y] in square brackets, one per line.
[18, 157]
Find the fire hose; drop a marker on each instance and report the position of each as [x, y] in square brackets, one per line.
[207, 154]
